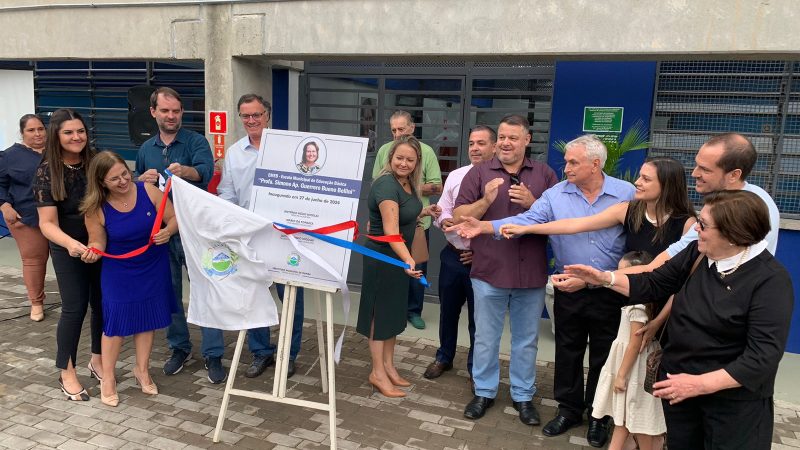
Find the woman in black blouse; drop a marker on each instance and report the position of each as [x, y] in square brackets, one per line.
[728, 327]
[59, 187]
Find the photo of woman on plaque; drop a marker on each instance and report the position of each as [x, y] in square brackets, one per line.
[310, 157]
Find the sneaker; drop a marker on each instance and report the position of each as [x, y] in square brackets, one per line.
[176, 362]
[290, 369]
[417, 322]
[259, 365]
[216, 373]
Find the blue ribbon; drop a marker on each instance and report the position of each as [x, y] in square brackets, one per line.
[359, 249]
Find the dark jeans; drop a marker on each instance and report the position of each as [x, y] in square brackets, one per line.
[178, 331]
[297, 323]
[588, 313]
[416, 291]
[79, 286]
[455, 288]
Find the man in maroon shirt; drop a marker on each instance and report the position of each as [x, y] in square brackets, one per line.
[506, 274]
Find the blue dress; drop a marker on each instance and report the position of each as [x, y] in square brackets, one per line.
[137, 292]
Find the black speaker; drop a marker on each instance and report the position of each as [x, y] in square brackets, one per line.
[141, 124]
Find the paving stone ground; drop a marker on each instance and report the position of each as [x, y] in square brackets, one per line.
[34, 414]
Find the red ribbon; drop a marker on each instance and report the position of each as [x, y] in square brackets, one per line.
[350, 224]
[156, 228]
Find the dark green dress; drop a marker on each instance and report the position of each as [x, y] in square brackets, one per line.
[384, 292]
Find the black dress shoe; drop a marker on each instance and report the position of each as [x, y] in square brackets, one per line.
[527, 413]
[598, 433]
[436, 369]
[559, 425]
[477, 407]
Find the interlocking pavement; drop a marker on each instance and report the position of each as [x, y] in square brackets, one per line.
[34, 414]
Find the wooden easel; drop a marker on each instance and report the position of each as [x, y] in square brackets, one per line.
[326, 362]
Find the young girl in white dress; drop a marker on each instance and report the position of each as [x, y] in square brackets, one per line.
[638, 416]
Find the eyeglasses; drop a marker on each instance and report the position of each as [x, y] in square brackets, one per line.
[704, 225]
[514, 179]
[118, 178]
[252, 116]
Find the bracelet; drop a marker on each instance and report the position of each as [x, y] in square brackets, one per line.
[613, 279]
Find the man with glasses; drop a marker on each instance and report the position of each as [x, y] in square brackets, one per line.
[722, 163]
[402, 124]
[507, 275]
[186, 154]
[238, 171]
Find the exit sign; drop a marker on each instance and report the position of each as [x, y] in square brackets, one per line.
[218, 122]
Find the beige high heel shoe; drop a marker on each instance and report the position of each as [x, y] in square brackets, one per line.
[37, 313]
[149, 389]
[388, 390]
[111, 400]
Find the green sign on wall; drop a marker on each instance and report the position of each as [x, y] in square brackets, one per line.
[602, 119]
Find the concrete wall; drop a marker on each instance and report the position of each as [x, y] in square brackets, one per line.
[239, 41]
[300, 29]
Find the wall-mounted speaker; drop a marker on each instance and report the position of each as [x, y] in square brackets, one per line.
[141, 124]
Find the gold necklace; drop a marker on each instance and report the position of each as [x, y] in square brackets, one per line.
[725, 273]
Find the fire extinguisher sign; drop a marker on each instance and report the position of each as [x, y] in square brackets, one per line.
[218, 122]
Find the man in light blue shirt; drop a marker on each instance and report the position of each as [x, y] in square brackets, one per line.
[580, 312]
[723, 163]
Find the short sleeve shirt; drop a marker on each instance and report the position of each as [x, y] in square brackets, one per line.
[384, 188]
[507, 263]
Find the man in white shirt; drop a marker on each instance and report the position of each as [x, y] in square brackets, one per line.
[237, 181]
[455, 287]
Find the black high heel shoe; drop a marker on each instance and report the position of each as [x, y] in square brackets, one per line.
[81, 396]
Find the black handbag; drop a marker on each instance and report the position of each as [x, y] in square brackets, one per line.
[653, 362]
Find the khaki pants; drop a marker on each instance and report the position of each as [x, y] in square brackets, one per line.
[33, 248]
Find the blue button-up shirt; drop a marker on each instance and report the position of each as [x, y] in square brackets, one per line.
[187, 149]
[17, 169]
[600, 249]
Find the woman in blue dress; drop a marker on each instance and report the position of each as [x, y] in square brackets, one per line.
[137, 291]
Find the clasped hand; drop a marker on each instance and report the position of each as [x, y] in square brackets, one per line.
[432, 210]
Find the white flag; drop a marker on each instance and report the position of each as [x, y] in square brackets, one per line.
[225, 247]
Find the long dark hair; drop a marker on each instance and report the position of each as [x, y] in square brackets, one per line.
[53, 150]
[673, 201]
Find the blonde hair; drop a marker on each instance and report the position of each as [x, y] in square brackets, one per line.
[416, 175]
[96, 192]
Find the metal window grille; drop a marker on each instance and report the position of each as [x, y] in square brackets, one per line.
[695, 100]
[98, 90]
[446, 98]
